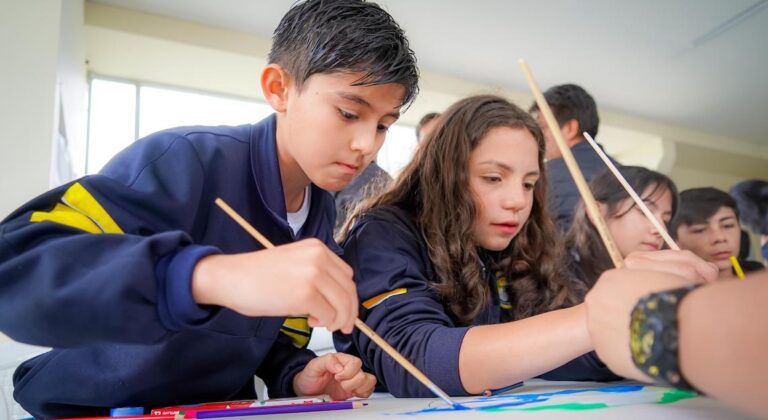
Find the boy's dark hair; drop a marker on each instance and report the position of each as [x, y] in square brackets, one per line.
[424, 120]
[752, 199]
[699, 204]
[572, 102]
[331, 36]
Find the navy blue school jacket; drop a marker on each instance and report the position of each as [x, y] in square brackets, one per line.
[562, 193]
[393, 273]
[99, 269]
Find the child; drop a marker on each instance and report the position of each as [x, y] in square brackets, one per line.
[463, 239]
[629, 227]
[708, 225]
[752, 200]
[576, 112]
[152, 296]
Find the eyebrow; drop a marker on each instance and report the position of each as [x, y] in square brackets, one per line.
[361, 101]
[505, 166]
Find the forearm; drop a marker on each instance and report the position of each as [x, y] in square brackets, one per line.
[723, 341]
[493, 356]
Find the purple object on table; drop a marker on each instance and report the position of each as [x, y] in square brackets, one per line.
[284, 409]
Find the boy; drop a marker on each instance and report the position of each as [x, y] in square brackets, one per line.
[576, 112]
[707, 224]
[152, 296]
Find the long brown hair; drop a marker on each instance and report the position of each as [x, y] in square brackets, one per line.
[434, 189]
[582, 239]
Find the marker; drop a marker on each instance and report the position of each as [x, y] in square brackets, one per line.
[126, 411]
[492, 392]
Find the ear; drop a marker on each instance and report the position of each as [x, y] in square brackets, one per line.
[274, 86]
[571, 132]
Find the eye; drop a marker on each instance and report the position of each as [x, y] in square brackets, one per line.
[529, 186]
[729, 226]
[697, 231]
[347, 115]
[382, 128]
[492, 179]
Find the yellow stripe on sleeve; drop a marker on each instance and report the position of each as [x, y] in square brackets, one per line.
[79, 210]
[298, 330]
[64, 215]
[372, 302]
[81, 200]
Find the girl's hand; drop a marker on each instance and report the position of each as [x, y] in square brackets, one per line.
[337, 374]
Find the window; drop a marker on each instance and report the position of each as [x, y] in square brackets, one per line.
[123, 111]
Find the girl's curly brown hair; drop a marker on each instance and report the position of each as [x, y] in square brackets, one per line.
[434, 189]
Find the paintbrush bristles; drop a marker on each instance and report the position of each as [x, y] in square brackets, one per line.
[573, 168]
[632, 193]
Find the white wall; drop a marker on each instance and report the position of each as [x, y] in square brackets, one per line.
[171, 51]
[29, 43]
[43, 63]
[72, 91]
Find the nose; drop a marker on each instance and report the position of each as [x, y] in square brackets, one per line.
[365, 141]
[719, 235]
[514, 198]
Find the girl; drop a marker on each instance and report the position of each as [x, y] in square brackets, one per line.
[457, 264]
[630, 229]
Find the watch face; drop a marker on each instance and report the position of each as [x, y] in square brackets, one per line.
[645, 332]
[641, 341]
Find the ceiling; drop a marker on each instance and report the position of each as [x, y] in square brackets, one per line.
[701, 64]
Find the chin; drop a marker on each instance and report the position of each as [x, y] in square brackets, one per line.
[331, 185]
[495, 245]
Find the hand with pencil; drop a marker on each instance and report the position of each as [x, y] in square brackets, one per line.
[337, 374]
[298, 279]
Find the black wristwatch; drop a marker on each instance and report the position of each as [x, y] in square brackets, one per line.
[653, 336]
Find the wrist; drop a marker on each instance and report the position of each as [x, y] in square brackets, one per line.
[654, 336]
[295, 384]
[203, 277]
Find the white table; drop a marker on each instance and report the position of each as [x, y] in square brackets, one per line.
[572, 400]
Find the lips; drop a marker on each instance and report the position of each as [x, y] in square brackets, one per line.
[506, 227]
[348, 167]
[721, 255]
[651, 246]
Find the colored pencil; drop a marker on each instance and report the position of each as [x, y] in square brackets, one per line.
[492, 392]
[737, 268]
[280, 409]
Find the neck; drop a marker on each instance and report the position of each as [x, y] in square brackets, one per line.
[292, 177]
[726, 273]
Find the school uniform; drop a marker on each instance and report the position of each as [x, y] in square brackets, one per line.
[749, 266]
[393, 273]
[562, 193]
[100, 269]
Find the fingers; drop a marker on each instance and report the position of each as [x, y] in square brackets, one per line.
[321, 312]
[342, 273]
[320, 366]
[352, 379]
[682, 263]
[334, 281]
